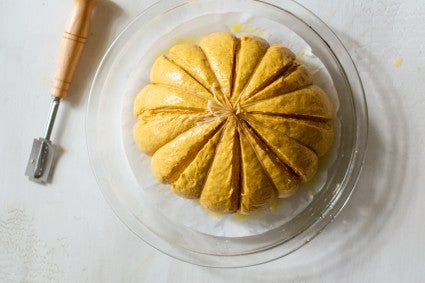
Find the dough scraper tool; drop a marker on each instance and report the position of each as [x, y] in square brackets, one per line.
[41, 159]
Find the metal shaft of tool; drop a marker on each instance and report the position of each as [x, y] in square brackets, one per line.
[43, 151]
[52, 117]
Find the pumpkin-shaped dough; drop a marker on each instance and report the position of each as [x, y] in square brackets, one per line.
[233, 122]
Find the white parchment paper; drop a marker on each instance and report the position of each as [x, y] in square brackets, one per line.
[189, 213]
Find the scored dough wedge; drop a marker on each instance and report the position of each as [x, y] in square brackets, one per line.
[172, 158]
[221, 191]
[315, 135]
[257, 189]
[309, 102]
[285, 181]
[160, 97]
[166, 72]
[220, 49]
[250, 53]
[276, 60]
[298, 78]
[298, 157]
[192, 179]
[192, 59]
[152, 132]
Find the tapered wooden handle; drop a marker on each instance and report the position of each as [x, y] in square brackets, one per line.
[73, 41]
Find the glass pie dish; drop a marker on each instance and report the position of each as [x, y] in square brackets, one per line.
[124, 178]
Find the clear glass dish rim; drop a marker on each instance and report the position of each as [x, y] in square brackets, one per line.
[338, 202]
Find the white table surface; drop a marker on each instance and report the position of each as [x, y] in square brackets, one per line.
[66, 232]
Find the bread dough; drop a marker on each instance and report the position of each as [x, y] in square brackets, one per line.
[233, 122]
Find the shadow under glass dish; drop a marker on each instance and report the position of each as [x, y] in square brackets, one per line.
[120, 187]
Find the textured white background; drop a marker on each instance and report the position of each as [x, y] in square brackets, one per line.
[66, 232]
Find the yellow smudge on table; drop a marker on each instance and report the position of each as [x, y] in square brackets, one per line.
[275, 205]
[240, 217]
[236, 28]
[397, 62]
[302, 53]
[244, 28]
[214, 214]
[299, 55]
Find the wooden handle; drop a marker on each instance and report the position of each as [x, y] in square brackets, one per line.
[73, 41]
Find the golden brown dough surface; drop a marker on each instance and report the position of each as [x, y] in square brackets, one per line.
[233, 122]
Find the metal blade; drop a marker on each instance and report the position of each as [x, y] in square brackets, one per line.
[40, 161]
